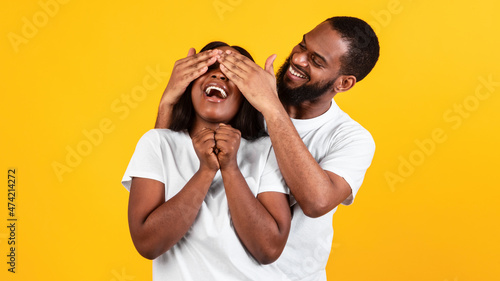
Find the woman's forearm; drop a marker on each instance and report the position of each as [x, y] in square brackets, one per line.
[263, 229]
[156, 225]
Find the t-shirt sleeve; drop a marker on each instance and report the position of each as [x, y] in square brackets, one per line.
[350, 158]
[271, 179]
[146, 161]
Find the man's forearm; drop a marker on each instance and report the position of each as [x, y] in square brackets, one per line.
[308, 182]
[164, 116]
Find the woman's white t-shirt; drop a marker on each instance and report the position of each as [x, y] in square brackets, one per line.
[211, 249]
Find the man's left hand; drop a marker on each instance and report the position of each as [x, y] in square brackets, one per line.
[256, 84]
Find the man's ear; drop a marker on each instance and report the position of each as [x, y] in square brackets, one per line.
[344, 83]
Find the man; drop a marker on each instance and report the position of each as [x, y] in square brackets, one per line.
[322, 153]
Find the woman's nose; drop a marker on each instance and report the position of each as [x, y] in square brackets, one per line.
[217, 74]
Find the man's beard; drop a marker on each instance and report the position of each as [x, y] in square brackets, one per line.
[298, 95]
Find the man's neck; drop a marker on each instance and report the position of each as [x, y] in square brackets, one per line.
[308, 109]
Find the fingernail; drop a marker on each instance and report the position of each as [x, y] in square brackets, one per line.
[228, 52]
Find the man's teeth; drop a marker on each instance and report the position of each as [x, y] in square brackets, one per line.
[295, 73]
[221, 91]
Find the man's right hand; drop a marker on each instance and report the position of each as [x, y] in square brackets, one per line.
[185, 71]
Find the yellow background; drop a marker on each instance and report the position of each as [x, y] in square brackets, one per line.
[428, 209]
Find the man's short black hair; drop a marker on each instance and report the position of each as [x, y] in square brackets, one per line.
[363, 46]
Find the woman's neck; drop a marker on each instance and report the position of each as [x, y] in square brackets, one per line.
[199, 125]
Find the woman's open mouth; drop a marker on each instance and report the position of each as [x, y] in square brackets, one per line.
[215, 94]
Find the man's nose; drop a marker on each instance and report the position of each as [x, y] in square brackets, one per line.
[300, 58]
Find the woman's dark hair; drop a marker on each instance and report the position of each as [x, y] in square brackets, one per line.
[248, 120]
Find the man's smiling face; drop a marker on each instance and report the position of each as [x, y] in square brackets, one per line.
[313, 66]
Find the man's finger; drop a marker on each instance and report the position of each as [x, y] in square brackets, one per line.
[192, 72]
[269, 64]
[191, 52]
[236, 61]
[190, 60]
[204, 62]
[231, 75]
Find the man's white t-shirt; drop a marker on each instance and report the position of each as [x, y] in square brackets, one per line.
[211, 249]
[342, 146]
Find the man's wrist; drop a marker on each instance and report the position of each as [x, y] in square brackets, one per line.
[167, 105]
[274, 113]
[164, 114]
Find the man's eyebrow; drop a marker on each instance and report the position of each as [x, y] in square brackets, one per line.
[316, 54]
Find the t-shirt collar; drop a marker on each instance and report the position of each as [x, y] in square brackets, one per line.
[305, 125]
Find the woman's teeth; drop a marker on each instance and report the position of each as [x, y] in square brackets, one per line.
[220, 90]
[295, 73]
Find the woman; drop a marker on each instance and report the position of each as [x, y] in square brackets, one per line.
[204, 203]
